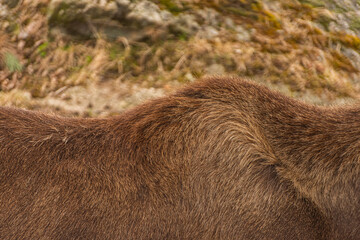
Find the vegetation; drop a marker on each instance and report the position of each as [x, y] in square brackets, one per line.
[291, 45]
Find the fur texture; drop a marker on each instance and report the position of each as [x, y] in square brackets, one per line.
[220, 159]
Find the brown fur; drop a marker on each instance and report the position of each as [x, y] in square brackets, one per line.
[221, 159]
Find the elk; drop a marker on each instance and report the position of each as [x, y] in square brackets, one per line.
[223, 158]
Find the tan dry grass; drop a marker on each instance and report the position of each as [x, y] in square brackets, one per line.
[286, 49]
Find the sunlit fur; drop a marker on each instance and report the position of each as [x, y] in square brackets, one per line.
[223, 158]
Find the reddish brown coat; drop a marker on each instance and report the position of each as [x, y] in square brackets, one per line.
[220, 159]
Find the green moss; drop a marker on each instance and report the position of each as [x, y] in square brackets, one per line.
[256, 6]
[43, 10]
[57, 14]
[272, 19]
[314, 3]
[116, 52]
[339, 8]
[130, 62]
[89, 113]
[241, 12]
[254, 10]
[182, 78]
[13, 28]
[88, 59]
[182, 36]
[171, 6]
[355, 24]
[66, 47]
[348, 40]
[113, 54]
[42, 49]
[197, 73]
[12, 62]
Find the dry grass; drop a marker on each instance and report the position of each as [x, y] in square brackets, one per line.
[288, 50]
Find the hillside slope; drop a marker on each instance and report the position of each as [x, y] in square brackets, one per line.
[90, 58]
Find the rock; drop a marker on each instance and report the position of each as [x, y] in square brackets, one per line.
[112, 19]
[101, 10]
[123, 8]
[188, 76]
[184, 23]
[209, 16]
[146, 13]
[4, 12]
[141, 94]
[215, 69]
[23, 35]
[229, 23]
[80, 17]
[345, 4]
[343, 15]
[62, 12]
[11, 3]
[131, 19]
[208, 32]
[353, 56]
[242, 34]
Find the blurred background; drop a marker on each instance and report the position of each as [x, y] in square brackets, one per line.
[99, 57]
